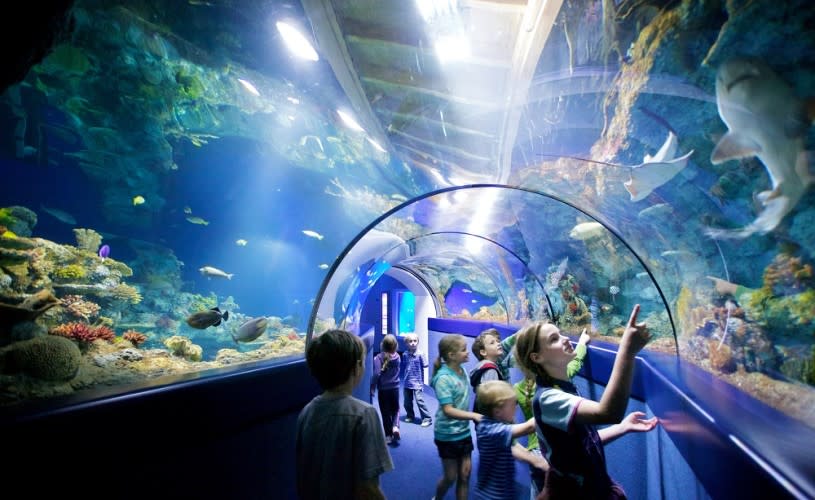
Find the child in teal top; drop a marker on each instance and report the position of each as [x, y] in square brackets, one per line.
[451, 429]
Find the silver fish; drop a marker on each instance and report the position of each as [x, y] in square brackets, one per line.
[60, 215]
[211, 272]
[250, 330]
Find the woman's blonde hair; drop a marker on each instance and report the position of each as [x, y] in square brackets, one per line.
[526, 342]
[447, 345]
[493, 393]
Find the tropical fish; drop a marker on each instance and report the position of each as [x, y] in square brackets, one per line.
[323, 266]
[587, 230]
[104, 251]
[241, 242]
[8, 235]
[766, 119]
[60, 215]
[138, 200]
[205, 319]
[197, 220]
[656, 170]
[554, 278]
[187, 210]
[250, 330]
[614, 290]
[312, 234]
[211, 272]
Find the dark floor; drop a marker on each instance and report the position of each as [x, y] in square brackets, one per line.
[417, 466]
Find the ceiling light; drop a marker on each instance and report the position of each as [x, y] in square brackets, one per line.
[451, 48]
[296, 42]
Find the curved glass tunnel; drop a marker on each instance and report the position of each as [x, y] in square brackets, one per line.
[507, 255]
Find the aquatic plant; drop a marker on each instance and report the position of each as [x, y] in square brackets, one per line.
[71, 272]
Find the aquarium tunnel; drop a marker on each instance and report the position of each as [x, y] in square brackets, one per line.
[192, 191]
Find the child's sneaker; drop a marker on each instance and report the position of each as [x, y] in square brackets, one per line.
[396, 436]
[427, 422]
[388, 439]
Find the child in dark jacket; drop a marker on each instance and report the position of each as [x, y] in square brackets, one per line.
[494, 358]
[385, 379]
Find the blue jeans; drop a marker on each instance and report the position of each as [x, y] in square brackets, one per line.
[418, 395]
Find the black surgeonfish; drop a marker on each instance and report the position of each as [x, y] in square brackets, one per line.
[205, 319]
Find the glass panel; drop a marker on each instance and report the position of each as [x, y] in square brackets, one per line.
[160, 159]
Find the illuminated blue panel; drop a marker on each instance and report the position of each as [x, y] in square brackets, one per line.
[407, 313]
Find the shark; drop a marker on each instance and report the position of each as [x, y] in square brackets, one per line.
[766, 119]
[656, 170]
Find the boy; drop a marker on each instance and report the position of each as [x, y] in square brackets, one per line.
[493, 359]
[340, 443]
[415, 363]
[495, 436]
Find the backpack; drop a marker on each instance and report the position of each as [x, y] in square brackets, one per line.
[475, 378]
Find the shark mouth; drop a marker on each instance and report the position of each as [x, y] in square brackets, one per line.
[741, 78]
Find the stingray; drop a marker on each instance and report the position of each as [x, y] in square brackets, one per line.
[656, 170]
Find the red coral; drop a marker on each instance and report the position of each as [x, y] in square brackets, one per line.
[135, 338]
[82, 332]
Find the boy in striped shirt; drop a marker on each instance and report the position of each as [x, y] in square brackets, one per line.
[415, 362]
[495, 435]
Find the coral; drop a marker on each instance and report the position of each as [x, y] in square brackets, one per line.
[134, 337]
[183, 347]
[79, 307]
[82, 332]
[18, 220]
[786, 274]
[721, 357]
[71, 272]
[88, 239]
[46, 358]
[125, 293]
[119, 267]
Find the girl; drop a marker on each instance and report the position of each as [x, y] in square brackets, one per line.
[386, 379]
[565, 422]
[452, 427]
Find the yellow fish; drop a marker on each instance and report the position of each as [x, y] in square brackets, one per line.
[241, 243]
[138, 200]
[197, 220]
[8, 234]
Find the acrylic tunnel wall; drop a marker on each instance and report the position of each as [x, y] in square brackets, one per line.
[508, 256]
